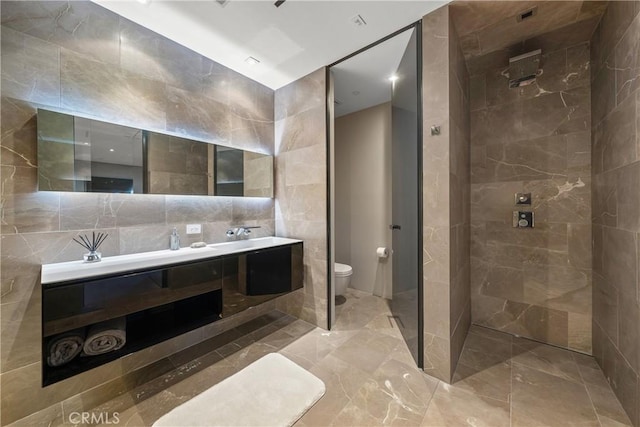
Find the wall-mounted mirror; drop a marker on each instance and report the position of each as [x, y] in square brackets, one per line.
[85, 155]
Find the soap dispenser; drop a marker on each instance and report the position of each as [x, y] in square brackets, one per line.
[175, 240]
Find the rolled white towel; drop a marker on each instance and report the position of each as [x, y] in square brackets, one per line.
[64, 347]
[105, 337]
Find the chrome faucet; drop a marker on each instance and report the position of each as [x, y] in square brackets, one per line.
[240, 232]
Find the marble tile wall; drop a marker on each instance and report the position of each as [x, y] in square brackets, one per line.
[82, 58]
[446, 189]
[615, 129]
[535, 283]
[301, 188]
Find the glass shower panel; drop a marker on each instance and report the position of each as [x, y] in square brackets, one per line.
[405, 149]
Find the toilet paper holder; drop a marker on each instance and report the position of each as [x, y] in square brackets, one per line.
[382, 252]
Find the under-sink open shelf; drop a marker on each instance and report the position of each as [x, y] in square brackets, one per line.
[146, 328]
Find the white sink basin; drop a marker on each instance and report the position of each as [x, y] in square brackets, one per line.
[259, 243]
[74, 270]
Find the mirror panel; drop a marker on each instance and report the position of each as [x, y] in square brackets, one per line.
[85, 155]
[178, 165]
[229, 172]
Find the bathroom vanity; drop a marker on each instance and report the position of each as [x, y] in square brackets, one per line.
[162, 294]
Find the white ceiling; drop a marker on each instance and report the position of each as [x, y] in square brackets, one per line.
[290, 41]
[363, 81]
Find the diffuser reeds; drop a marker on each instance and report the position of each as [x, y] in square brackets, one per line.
[91, 244]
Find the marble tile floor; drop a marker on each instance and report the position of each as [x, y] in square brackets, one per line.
[372, 380]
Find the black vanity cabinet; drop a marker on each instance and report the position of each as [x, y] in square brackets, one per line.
[272, 271]
[257, 276]
[165, 301]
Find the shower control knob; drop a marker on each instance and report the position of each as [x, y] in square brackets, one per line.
[522, 219]
[523, 198]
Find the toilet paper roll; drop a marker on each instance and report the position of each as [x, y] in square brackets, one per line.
[382, 252]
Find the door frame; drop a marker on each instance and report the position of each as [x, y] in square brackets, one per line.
[329, 132]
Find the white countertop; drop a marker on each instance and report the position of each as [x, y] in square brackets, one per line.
[73, 270]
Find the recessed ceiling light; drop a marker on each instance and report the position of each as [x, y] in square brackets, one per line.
[111, 149]
[144, 1]
[251, 61]
[393, 78]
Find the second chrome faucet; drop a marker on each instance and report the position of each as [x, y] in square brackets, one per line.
[237, 233]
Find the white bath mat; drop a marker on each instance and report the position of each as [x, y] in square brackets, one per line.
[272, 391]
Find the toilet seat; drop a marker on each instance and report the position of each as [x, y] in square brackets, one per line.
[342, 270]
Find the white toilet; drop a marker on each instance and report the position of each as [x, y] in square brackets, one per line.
[343, 277]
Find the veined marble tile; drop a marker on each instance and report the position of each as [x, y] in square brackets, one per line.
[315, 346]
[80, 26]
[19, 138]
[451, 406]
[216, 80]
[607, 406]
[551, 236]
[605, 199]
[342, 381]
[620, 260]
[31, 212]
[299, 131]
[47, 416]
[110, 93]
[492, 380]
[551, 360]
[437, 357]
[17, 180]
[496, 125]
[197, 116]
[305, 165]
[617, 136]
[580, 330]
[397, 394]
[541, 399]
[303, 202]
[80, 211]
[30, 68]
[604, 91]
[250, 98]
[312, 232]
[181, 209]
[21, 325]
[373, 344]
[529, 159]
[561, 200]
[627, 62]
[299, 96]
[251, 132]
[436, 254]
[144, 53]
[628, 200]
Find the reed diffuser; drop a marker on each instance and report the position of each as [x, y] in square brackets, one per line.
[92, 246]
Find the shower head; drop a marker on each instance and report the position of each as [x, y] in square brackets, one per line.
[523, 69]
